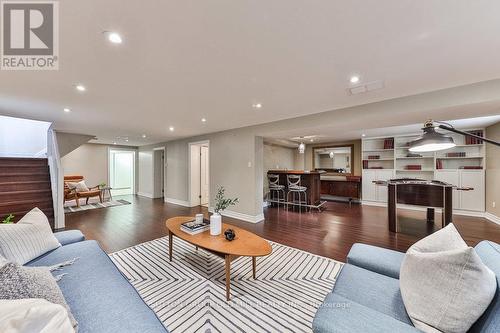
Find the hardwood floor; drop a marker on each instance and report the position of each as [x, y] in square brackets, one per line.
[330, 233]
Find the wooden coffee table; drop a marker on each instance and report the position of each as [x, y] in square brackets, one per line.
[246, 244]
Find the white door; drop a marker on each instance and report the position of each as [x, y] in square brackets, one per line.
[204, 178]
[369, 189]
[122, 172]
[451, 177]
[472, 200]
[382, 190]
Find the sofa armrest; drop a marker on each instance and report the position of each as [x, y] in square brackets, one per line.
[338, 314]
[376, 259]
[69, 237]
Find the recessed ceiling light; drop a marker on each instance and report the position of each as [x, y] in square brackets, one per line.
[363, 135]
[114, 143]
[114, 37]
[171, 128]
[80, 87]
[67, 110]
[144, 136]
[354, 79]
[126, 140]
[257, 105]
[312, 140]
[203, 120]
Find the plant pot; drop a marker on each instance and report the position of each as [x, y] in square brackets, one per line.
[215, 224]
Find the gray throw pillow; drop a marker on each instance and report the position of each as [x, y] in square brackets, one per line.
[18, 282]
[444, 284]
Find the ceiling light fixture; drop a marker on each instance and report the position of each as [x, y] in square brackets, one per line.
[114, 37]
[257, 106]
[363, 135]
[434, 141]
[171, 128]
[144, 136]
[354, 79]
[67, 110]
[114, 143]
[203, 120]
[312, 140]
[332, 155]
[80, 87]
[302, 146]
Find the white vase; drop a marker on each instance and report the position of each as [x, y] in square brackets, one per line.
[215, 224]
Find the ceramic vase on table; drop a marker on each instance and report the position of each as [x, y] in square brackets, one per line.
[215, 224]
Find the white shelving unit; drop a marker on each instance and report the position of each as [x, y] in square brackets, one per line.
[396, 163]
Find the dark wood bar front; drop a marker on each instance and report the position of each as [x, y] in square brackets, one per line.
[311, 180]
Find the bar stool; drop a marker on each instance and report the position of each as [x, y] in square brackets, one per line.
[295, 188]
[275, 188]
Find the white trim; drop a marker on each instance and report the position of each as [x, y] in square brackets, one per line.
[135, 166]
[492, 218]
[144, 194]
[240, 216]
[486, 215]
[177, 202]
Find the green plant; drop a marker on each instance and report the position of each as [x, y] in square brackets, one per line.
[8, 219]
[221, 202]
[103, 184]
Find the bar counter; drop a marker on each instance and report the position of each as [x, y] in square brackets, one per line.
[309, 179]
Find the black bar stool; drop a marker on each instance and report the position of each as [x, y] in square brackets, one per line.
[275, 189]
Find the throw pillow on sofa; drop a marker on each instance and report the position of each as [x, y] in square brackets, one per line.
[78, 186]
[444, 284]
[33, 315]
[18, 282]
[27, 239]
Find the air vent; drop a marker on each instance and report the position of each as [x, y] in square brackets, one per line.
[366, 87]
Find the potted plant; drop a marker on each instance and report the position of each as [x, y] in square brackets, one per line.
[8, 219]
[221, 203]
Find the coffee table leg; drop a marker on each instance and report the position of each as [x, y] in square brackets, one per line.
[254, 266]
[170, 241]
[228, 276]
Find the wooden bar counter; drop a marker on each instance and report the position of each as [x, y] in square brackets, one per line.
[309, 179]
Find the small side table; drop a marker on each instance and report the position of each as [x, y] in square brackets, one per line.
[107, 190]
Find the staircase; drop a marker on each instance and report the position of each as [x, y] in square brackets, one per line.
[24, 185]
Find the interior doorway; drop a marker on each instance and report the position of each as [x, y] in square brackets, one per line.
[159, 172]
[122, 171]
[199, 173]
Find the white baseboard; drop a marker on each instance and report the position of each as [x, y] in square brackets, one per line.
[178, 202]
[492, 218]
[486, 215]
[241, 216]
[144, 194]
[265, 204]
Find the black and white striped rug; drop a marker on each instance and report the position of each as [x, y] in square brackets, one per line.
[71, 208]
[188, 294]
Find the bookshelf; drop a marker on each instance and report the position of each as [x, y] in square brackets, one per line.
[389, 157]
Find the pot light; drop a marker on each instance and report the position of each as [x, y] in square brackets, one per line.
[363, 135]
[312, 140]
[114, 143]
[171, 128]
[354, 79]
[257, 106]
[144, 136]
[114, 37]
[80, 87]
[67, 110]
[203, 120]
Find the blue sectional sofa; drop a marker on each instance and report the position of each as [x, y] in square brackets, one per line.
[366, 296]
[100, 297]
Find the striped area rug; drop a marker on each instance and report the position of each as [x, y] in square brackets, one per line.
[95, 205]
[188, 294]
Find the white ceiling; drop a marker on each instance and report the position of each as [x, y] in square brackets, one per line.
[184, 60]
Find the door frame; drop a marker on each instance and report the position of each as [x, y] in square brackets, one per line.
[134, 166]
[164, 172]
[198, 143]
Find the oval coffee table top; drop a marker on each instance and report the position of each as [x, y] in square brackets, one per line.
[245, 243]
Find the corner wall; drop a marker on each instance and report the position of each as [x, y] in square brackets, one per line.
[493, 171]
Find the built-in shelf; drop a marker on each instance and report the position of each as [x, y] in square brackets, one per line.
[458, 158]
[378, 159]
[414, 158]
[422, 170]
[377, 150]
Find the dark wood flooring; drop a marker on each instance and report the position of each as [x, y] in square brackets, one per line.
[330, 233]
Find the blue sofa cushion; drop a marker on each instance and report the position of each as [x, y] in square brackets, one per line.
[100, 297]
[372, 290]
[340, 314]
[489, 253]
[69, 237]
[376, 259]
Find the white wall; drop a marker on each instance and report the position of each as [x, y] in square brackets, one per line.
[91, 161]
[276, 157]
[146, 187]
[22, 137]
